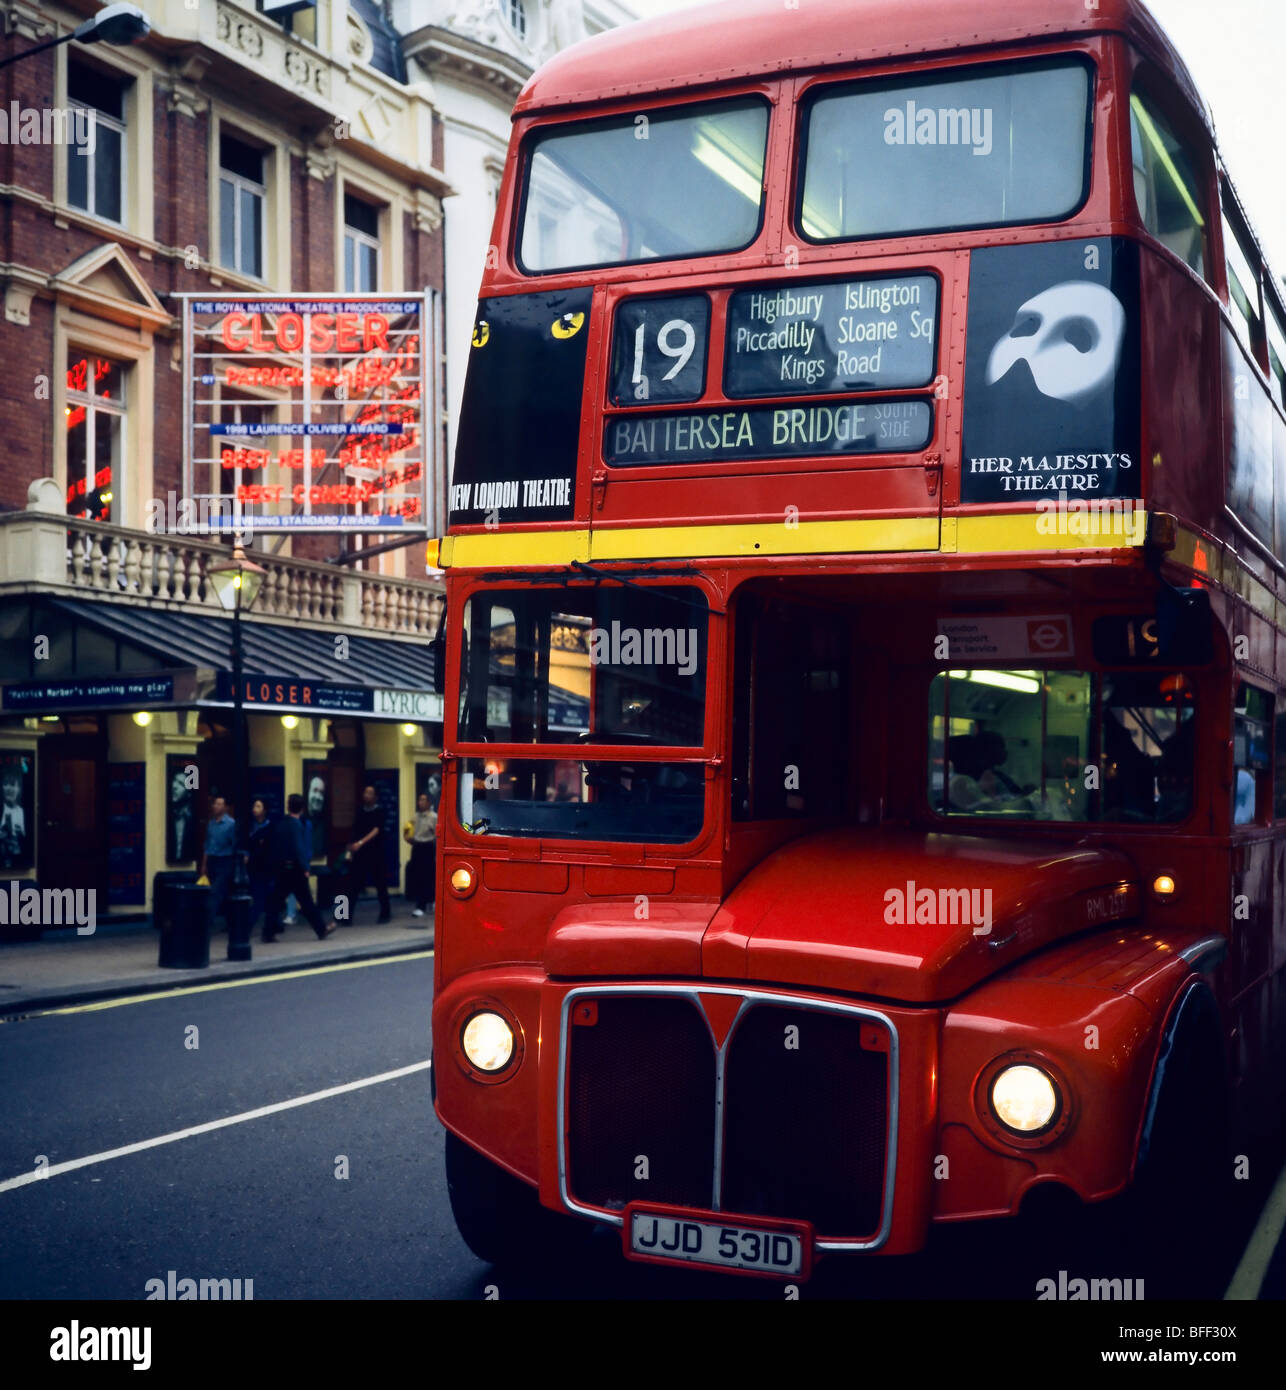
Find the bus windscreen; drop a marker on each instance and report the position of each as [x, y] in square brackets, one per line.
[984, 148]
[625, 189]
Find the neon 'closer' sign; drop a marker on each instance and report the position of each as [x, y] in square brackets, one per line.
[242, 332]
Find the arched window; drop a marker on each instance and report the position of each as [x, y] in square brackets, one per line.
[518, 17]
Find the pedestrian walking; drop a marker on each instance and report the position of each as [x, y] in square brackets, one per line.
[368, 851]
[219, 858]
[422, 835]
[259, 860]
[292, 853]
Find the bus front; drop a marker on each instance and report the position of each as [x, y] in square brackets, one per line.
[776, 899]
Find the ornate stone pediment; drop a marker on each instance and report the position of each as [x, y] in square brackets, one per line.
[105, 282]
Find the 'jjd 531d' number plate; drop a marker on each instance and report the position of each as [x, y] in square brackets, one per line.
[775, 1248]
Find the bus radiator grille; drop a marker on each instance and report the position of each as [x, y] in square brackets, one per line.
[641, 1105]
[805, 1112]
[805, 1121]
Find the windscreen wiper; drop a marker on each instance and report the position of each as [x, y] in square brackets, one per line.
[582, 567]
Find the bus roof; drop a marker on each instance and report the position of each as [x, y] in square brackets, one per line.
[737, 39]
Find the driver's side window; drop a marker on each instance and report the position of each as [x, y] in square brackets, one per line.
[791, 711]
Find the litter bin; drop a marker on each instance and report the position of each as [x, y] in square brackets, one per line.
[163, 885]
[185, 932]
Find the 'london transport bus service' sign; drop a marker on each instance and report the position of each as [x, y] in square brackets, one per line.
[855, 335]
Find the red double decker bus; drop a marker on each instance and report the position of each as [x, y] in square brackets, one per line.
[865, 771]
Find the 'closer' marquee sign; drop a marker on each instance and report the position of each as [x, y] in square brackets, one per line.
[308, 413]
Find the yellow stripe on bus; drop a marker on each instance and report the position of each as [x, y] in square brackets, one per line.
[1005, 533]
[1020, 531]
[767, 538]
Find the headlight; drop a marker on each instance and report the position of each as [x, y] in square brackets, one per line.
[488, 1042]
[1025, 1099]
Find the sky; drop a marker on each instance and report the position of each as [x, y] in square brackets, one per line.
[1234, 50]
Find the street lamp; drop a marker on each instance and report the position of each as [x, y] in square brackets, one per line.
[236, 585]
[117, 24]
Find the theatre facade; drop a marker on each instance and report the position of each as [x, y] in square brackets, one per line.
[116, 707]
[227, 305]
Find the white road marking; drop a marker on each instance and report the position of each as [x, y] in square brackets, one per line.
[1263, 1241]
[40, 1174]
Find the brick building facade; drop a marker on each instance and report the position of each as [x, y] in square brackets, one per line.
[333, 130]
[231, 153]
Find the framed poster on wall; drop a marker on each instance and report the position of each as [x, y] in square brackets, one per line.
[127, 831]
[17, 808]
[182, 809]
[316, 790]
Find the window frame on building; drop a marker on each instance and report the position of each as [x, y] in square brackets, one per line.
[89, 162]
[240, 183]
[96, 406]
[230, 407]
[134, 76]
[358, 238]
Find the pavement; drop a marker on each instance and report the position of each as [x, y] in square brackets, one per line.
[64, 968]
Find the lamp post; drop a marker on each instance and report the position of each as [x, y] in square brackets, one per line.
[117, 24]
[236, 585]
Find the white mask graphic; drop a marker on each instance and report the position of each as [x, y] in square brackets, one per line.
[1070, 336]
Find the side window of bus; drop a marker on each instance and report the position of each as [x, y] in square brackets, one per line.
[790, 712]
[1251, 720]
[1243, 287]
[1277, 354]
[1115, 747]
[1168, 189]
[1279, 772]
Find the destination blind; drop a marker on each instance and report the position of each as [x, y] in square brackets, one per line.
[856, 335]
[769, 432]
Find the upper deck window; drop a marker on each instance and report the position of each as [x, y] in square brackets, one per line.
[649, 185]
[1167, 188]
[1243, 285]
[991, 147]
[1277, 354]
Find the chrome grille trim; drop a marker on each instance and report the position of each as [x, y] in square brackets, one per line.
[749, 998]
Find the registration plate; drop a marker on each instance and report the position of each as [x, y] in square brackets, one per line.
[772, 1248]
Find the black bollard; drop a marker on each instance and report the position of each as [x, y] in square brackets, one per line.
[237, 908]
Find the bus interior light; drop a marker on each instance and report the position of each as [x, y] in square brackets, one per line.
[1006, 680]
